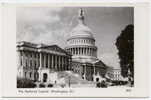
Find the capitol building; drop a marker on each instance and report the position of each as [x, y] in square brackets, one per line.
[81, 45]
[41, 62]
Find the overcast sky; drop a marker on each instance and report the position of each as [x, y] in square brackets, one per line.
[53, 26]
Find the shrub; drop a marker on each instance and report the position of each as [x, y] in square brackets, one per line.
[62, 85]
[41, 85]
[103, 84]
[98, 85]
[25, 83]
[50, 85]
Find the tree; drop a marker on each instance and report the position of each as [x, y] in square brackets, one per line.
[125, 46]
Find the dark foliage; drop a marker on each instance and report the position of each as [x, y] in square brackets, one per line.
[41, 85]
[125, 46]
[98, 84]
[50, 85]
[101, 84]
[25, 83]
[119, 83]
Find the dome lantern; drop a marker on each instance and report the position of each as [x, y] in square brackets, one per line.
[81, 16]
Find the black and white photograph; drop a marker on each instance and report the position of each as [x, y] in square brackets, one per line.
[75, 47]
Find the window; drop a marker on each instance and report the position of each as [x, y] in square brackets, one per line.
[30, 74]
[21, 62]
[30, 63]
[35, 64]
[25, 74]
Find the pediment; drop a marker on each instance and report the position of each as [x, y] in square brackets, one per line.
[100, 63]
[55, 48]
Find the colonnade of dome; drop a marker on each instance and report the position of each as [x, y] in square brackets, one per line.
[83, 50]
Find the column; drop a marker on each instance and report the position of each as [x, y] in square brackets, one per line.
[19, 58]
[44, 64]
[46, 57]
[56, 62]
[89, 51]
[94, 69]
[80, 50]
[23, 57]
[70, 50]
[33, 63]
[44, 60]
[30, 60]
[92, 51]
[70, 59]
[76, 50]
[40, 60]
[62, 63]
[73, 51]
[52, 61]
[26, 60]
[96, 53]
[37, 64]
[65, 63]
[86, 51]
[59, 63]
[85, 72]
[40, 65]
[48, 60]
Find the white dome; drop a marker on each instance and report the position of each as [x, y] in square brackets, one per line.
[81, 43]
[81, 30]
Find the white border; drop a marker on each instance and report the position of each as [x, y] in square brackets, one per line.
[141, 25]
